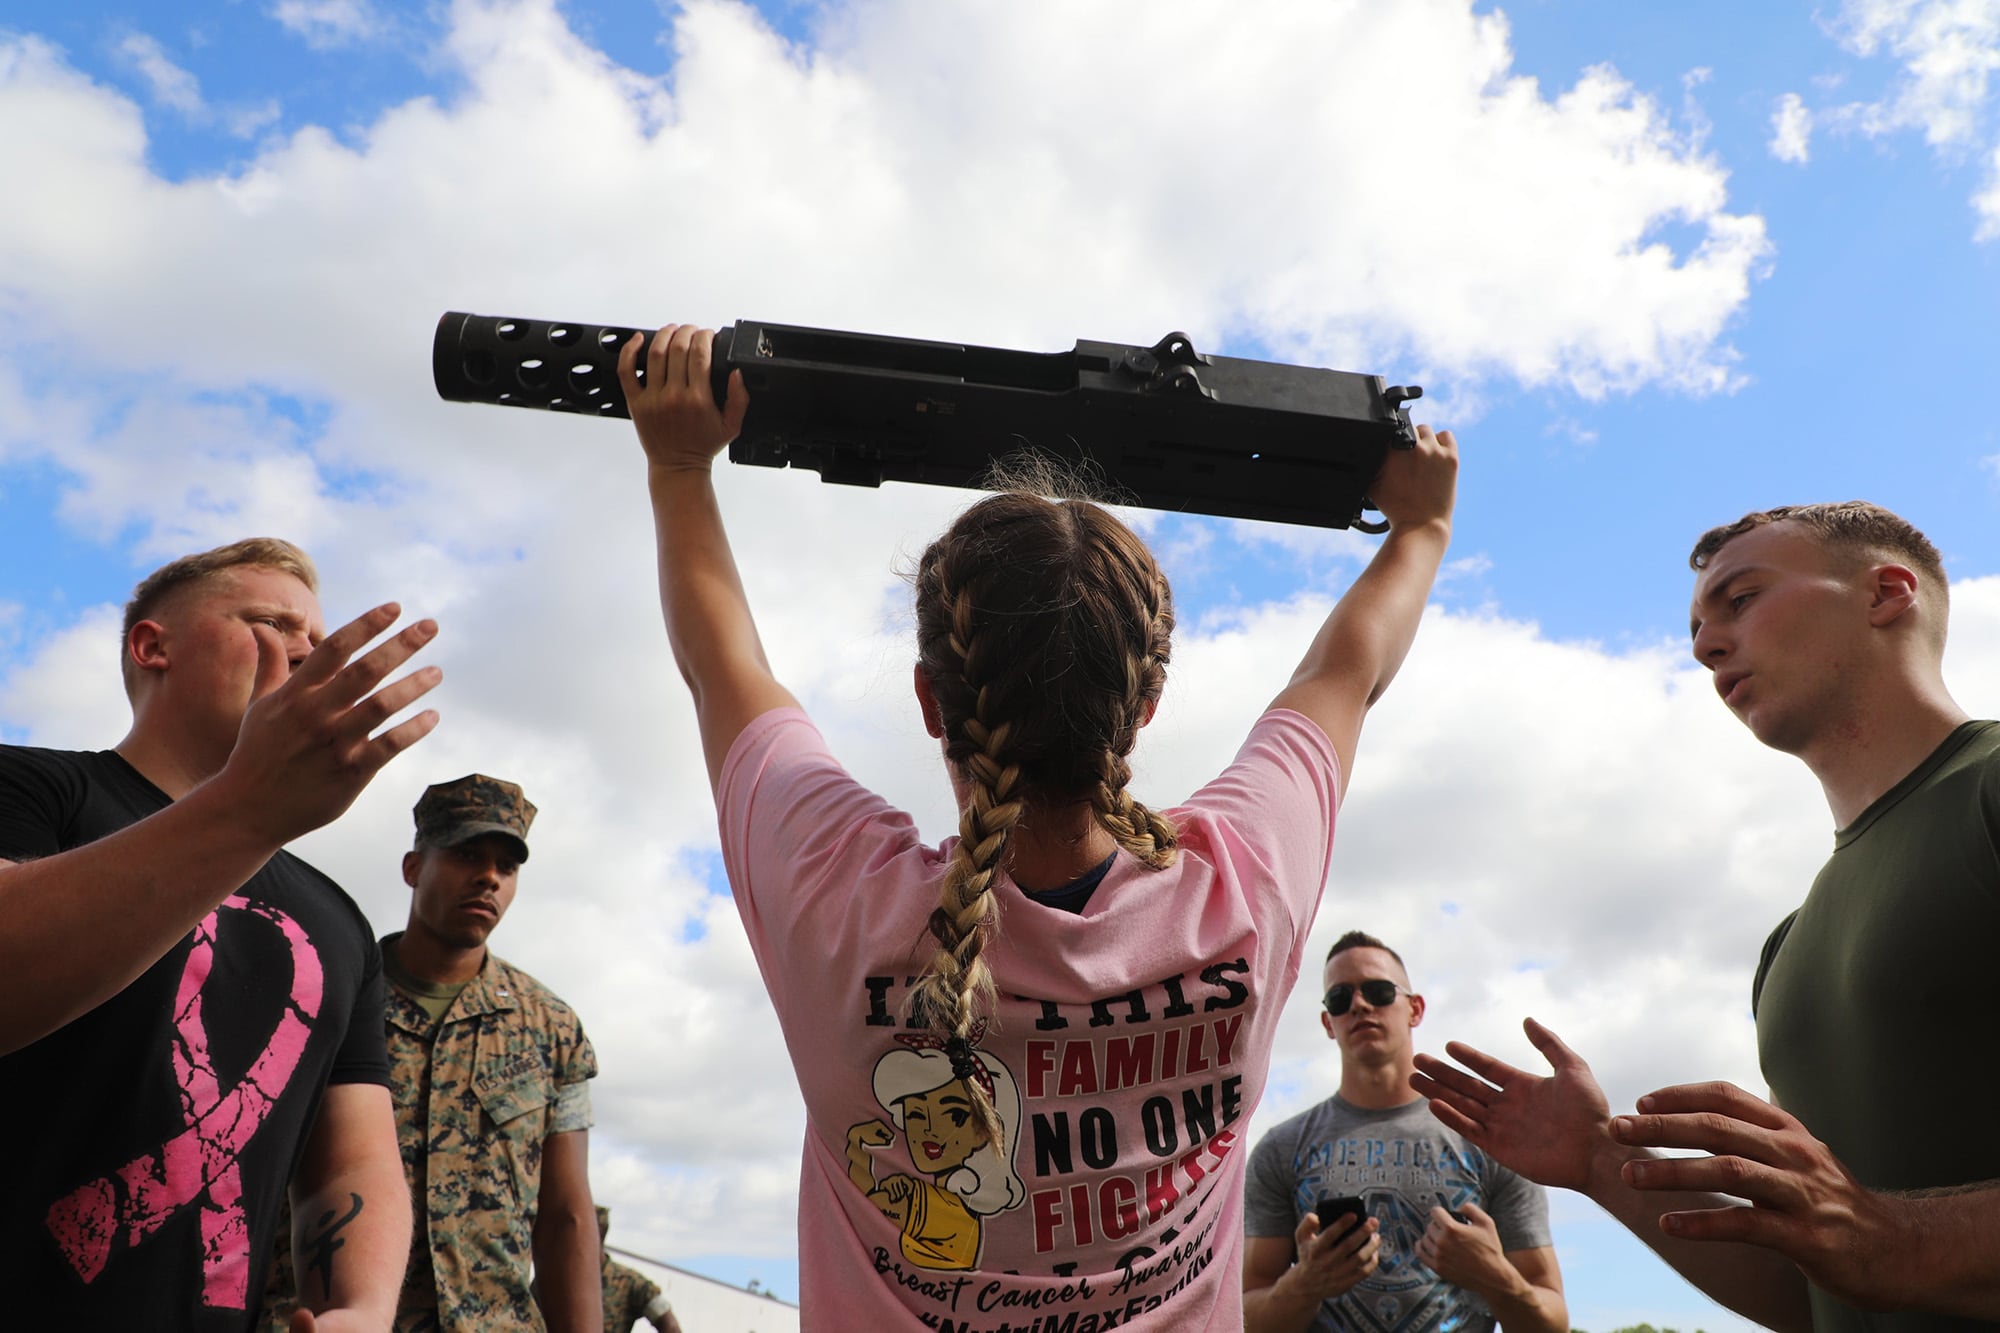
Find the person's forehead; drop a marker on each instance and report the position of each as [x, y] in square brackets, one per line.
[262, 583]
[1363, 964]
[1779, 545]
[499, 844]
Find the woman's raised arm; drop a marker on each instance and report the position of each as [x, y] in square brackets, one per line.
[1366, 636]
[709, 625]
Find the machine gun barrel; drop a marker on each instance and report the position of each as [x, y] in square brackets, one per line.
[1165, 426]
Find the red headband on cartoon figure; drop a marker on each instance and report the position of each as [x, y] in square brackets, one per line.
[959, 1050]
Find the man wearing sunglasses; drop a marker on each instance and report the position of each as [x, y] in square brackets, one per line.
[1442, 1236]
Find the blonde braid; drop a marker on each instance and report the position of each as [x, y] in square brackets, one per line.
[957, 988]
[1043, 631]
[1138, 830]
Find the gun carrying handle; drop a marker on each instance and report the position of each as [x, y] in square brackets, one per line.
[1397, 397]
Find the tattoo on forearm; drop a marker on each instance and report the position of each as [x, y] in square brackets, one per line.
[320, 1247]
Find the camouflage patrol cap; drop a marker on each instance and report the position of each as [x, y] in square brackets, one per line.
[450, 813]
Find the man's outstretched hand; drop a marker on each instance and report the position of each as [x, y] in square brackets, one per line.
[308, 744]
[1549, 1128]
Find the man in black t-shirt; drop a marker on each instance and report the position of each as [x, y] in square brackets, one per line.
[188, 1014]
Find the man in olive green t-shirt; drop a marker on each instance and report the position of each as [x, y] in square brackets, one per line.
[1877, 1187]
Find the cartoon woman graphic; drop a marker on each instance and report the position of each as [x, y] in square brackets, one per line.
[923, 1086]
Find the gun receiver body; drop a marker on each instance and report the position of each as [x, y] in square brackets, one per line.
[1165, 426]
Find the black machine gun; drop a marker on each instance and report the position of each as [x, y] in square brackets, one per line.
[1166, 426]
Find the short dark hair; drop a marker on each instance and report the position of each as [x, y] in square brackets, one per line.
[1361, 939]
[1852, 533]
[1851, 527]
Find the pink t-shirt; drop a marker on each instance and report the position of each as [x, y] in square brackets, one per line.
[1127, 1051]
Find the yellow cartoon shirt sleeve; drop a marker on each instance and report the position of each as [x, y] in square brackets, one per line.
[939, 1231]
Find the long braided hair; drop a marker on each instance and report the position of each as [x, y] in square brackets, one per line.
[1043, 629]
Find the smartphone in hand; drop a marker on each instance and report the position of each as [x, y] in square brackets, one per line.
[1331, 1208]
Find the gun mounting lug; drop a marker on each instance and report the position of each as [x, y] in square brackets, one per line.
[1394, 398]
[1177, 349]
[1140, 364]
[1168, 367]
[1181, 380]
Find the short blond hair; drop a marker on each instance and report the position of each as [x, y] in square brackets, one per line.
[191, 570]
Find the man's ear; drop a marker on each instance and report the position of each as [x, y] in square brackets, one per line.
[927, 701]
[413, 864]
[146, 645]
[1892, 594]
[1416, 1010]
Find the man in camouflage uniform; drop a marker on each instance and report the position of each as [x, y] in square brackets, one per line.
[630, 1295]
[488, 1070]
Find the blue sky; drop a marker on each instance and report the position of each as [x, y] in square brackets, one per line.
[223, 327]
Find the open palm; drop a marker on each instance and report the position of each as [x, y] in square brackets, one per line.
[1545, 1127]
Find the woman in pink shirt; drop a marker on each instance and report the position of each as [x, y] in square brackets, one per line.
[1031, 1126]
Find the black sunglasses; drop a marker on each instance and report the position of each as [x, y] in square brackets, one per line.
[1380, 994]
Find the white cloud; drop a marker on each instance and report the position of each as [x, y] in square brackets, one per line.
[1791, 129]
[248, 120]
[1602, 831]
[1948, 52]
[178, 90]
[67, 692]
[331, 23]
[1571, 429]
[171, 85]
[1948, 49]
[1987, 202]
[1465, 567]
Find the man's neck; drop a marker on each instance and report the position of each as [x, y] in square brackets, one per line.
[432, 960]
[1858, 762]
[164, 763]
[1378, 1087]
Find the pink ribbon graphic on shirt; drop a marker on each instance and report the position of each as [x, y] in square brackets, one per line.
[198, 1166]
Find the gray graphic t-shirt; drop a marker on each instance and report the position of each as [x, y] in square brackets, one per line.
[1402, 1163]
